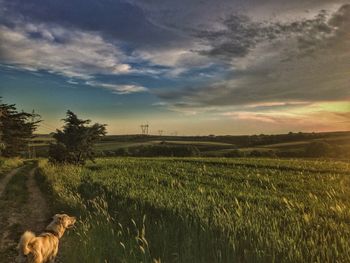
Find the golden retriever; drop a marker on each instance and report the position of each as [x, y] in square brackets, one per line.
[44, 248]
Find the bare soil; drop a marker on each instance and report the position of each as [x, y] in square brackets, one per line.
[17, 216]
[6, 179]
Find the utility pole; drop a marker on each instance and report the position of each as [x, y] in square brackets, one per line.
[2, 145]
[31, 149]
[160, 132]
[144, 129]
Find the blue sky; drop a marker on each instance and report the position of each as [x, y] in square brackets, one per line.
[194, 67]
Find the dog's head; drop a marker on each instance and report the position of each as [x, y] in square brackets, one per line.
[59, 224]
[64, 220]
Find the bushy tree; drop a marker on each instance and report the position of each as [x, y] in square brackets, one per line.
[165, 150]
[318, 149]
[234, 153]
[74, 144]
[16, 128]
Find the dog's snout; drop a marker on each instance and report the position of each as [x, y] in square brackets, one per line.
[72, 220]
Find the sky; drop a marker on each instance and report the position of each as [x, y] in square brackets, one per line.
[186, 67]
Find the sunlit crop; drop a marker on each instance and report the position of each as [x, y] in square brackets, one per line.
[206, 210]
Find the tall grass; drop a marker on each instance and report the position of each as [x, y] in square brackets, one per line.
[205, 210]
[7, 164]
[97, 236]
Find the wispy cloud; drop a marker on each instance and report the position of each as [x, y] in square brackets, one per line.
[177, 60]
[60, 50]
[120, 89]
[323, 116]
[277, 104]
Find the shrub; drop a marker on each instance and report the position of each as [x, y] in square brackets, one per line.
[122, 152]
[269, 154]
[234, 153]
[318, 149]
[166, 150]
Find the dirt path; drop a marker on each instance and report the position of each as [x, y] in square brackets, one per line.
[39, 209]
[6, 179]
[25, 210]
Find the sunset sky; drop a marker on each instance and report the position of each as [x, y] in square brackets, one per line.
[186, 66]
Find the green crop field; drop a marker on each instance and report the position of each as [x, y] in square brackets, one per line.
[203, 209]
[211, 146]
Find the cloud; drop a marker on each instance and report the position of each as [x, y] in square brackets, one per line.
[277, 68]
[117, 19]
[120, 89]
[251, 116]
[82, 54]
[322, 116]
[207, 55]
[60, 50]
[295, 119]
[175, 60]
[171, 57]
[263, 106]
[240, 34]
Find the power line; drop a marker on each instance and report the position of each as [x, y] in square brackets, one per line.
[48, 125]
[48, 128]
[31, 149]
[45, 128]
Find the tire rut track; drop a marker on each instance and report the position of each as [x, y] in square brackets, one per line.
[16, 217]
[39, 209]
[7, 178]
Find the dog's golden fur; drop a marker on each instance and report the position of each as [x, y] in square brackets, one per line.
[44, 248]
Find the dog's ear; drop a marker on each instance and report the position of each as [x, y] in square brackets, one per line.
[57, 218]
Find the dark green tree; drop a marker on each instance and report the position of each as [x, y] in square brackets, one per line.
[74, 144]
[318, 149]
[16, 128]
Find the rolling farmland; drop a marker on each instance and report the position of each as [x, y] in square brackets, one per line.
[210, 146]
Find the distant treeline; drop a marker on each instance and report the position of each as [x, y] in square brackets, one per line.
[238, 140]
[155, 151]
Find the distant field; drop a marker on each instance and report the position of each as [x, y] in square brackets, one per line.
[210, 145]
[342, 140]
[204, 209]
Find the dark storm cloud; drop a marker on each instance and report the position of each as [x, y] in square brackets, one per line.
[341, 18]
[242, 34]
[118, 19]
